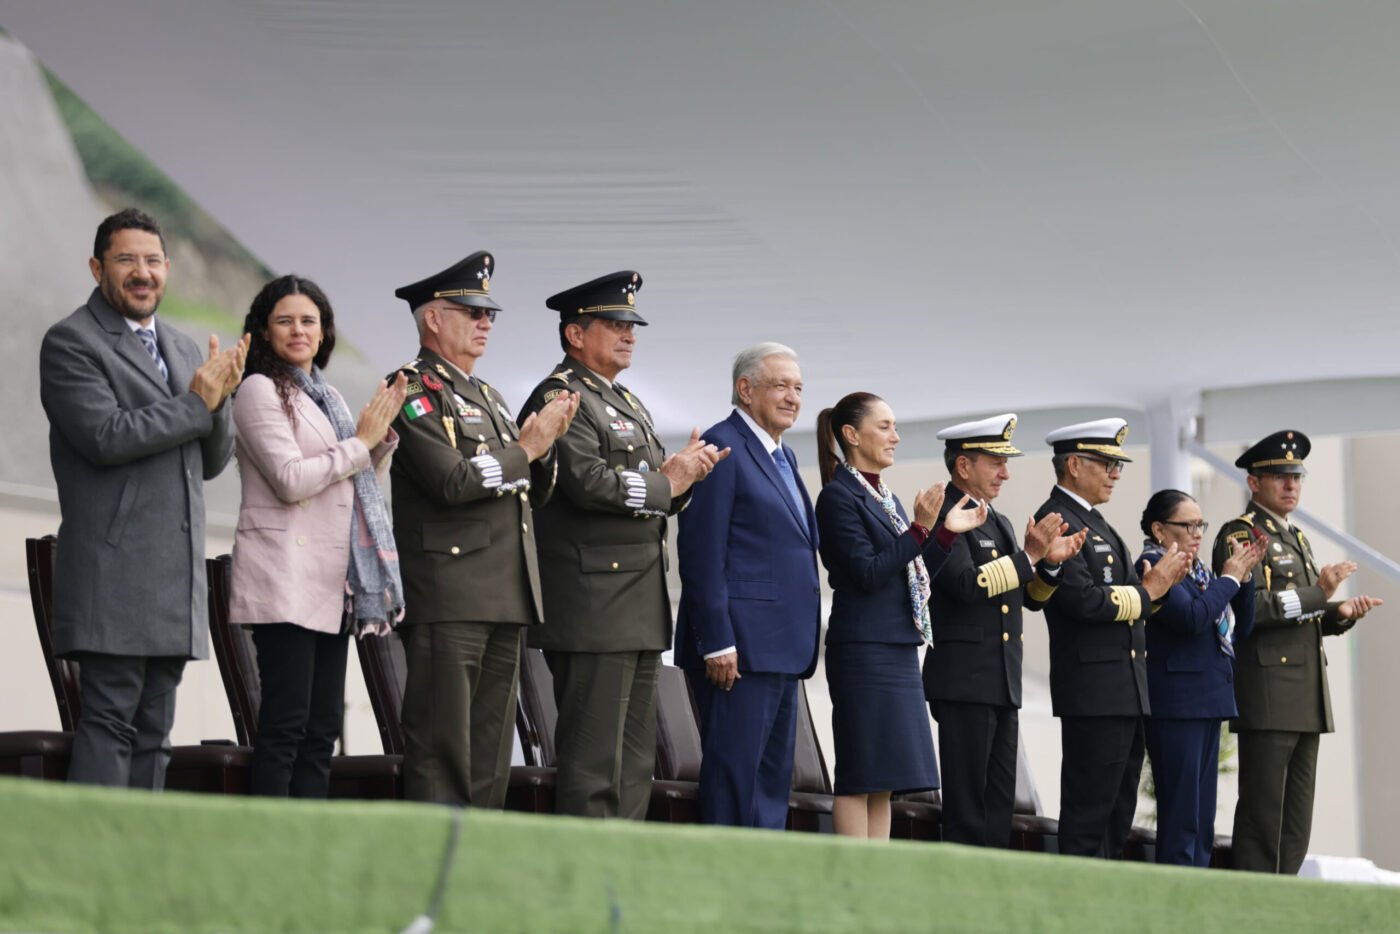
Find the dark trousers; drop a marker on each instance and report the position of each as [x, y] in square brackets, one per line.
[606, 736]
[1273, 818]
[1185, 756]
[301, 677]
[1099, 771]
[978, 745]
[748, 736]
[122, 737]
[459, 710]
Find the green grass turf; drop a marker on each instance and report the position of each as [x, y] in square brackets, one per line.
[86, 859]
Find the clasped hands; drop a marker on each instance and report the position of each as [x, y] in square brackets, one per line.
[220, 374]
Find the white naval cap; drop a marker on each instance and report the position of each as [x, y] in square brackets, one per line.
[990, 435]
[1103, 437]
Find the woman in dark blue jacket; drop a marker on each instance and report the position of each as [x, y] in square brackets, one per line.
[1190, 674]
[879, 565]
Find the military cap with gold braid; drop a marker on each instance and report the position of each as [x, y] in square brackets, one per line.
[1280, 452]
[989, 436]
[613, 297]
[1103, 437]
[466, 283]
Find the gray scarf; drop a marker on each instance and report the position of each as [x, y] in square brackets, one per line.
[376, 591]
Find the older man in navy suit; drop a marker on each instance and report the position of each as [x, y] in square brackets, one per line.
[750, 601]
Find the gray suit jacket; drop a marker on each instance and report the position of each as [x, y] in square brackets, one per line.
[130, 458]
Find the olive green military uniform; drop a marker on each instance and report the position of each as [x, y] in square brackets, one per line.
[1281, 690]
[607, 612]
[463, 491]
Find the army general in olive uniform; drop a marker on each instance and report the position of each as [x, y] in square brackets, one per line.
[1281, 668]
[464, 481]
[607, 613]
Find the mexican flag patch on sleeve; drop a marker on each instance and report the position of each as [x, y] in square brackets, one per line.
[416, 407]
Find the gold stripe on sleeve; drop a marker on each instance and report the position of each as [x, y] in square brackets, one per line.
[1040, 591]
[999, 576]
[1128, 601]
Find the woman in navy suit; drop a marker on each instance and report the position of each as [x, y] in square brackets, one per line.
[879, 565]
[1190, 676]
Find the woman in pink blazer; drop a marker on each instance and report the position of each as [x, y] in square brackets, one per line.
[314, 556]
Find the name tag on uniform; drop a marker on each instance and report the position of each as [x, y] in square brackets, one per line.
[624, 429]
[1102, 549]
[986, 543]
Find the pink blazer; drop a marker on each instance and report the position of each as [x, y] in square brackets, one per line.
[291, 551]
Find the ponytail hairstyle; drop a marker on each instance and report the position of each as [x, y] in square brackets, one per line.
[1160, 508]
[851, 410]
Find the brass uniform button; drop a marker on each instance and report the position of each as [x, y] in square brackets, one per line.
[1110, 559]
[1283, 660]
[1005, 609]
[614, 565]
[1132, 653]
[456, 550]
[524, 527]
[994, 552]
[629, 447]
[1130, 623]
[1023, 637]
[1006, 637]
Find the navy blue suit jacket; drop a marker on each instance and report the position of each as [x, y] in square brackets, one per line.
[748, 562]
[1188, 677]
[865, 560]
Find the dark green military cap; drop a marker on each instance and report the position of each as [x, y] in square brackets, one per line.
[613, 297]
[1280, 452]
[466, 283]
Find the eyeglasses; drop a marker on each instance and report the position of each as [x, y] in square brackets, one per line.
[619, 325]
[1198, 527]
[475, 313]
[1109, 464]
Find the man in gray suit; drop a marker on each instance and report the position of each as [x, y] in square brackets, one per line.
[137, 422]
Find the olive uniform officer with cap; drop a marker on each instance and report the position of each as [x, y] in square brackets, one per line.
[1281, 667]
[464, 481]
[1097, 619]
[603, 537]
[972, 674]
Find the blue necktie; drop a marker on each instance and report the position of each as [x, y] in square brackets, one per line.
[149, 339]
[785, 471]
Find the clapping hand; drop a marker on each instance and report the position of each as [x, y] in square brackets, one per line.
[1332, 576]
[1357, 607]
[1244, 557]
[926, 505]
[541, 429]
[692, 463]
[380, 411]
[961, 519]
[1157, 579]
[221, 373]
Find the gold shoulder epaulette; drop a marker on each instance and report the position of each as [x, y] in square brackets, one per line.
[1246, 518]
[411, 366]
[1128, 600]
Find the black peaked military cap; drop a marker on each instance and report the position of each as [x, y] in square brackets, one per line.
[466, 283]
[613, 296]
[1280, 452]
